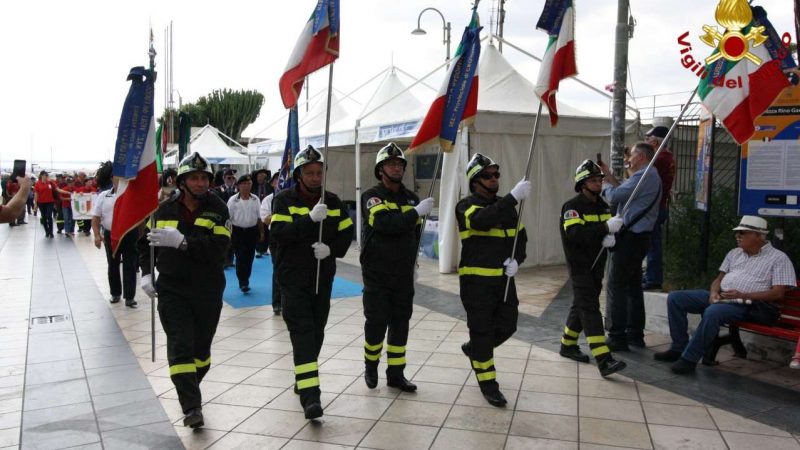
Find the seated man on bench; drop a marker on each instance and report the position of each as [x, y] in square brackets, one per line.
[752, 273]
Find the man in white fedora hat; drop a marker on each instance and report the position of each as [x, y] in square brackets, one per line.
[751, 277]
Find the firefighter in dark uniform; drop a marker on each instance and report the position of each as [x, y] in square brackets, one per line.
[296, 216]
[191, 237]
[586, 227]
[392, 219]
[487, 226]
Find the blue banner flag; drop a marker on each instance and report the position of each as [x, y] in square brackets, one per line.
[285, 179]
[134, 123]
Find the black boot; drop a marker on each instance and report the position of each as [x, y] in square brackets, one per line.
[609, 365]
[400, 382]
[495, 398]
[312, 405]
[574, 353]
[683, 367]
[466, 347]
[194, 418]
[667, 356]
[371, 374]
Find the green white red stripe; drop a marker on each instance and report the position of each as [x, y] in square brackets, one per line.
[558, 63]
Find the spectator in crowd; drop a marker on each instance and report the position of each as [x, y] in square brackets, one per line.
[266, 218]
[243, 208]
[44, 196]
[12, 188]
[15, 206]
[625, 313]
[751, 277]
[167, 184]
[262, 187]
[665, 165]
[225, 191]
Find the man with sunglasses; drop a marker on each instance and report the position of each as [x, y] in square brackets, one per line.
[587, 227]
[225, 191]
[392, 219]
[487, 226]
[752, 276]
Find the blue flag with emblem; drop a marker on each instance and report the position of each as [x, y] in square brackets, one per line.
[285, 179]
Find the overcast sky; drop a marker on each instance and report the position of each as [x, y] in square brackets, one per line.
[63, 80]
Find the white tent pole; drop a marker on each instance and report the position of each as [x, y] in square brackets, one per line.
[414, 78]
[358, 185]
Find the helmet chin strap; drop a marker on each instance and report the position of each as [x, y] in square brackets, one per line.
[589, 190]
[492, 191]
[312, 190]
[397, 180]
[198, 197]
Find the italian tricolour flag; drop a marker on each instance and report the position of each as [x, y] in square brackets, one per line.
[558, 63]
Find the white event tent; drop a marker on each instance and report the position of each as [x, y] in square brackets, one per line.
[209, 142]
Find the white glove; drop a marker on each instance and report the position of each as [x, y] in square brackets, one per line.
[614, 224]
[147, 285]
[609, 241]
[521, 190]
[425, 207]
[321, 251]
[319, 212]
[512, 266]
[165, 237]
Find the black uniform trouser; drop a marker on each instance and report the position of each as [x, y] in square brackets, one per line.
[388, 303]
[490, 320]
[189, 316]
[584, 314]
[128, 256]
[84, 225]
[625, 315]
[59, 209]
[263, 246]
[276, 288]
[47, 217]
[243, 241]
[306, 315]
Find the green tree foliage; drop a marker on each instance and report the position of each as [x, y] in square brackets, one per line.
[227, 110]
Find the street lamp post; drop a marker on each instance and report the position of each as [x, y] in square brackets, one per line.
[445, 30]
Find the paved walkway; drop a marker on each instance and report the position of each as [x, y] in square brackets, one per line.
[75, 383]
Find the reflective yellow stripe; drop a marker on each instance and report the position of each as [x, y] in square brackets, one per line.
[373, 348]
[395, 349]
[596, 339]
[305, 384]
[334, 213]
[580, 175]
[493, 232]
[604, 217]
[486, 376]
[221, 230]
[568, 342]
[569, 332]
[378, 207]
[167, 223]
[396, 361]
[346, 223]
[406, 208]
[182, 368]
[372, 357]
[282, 218]
[570, 222]
[205, 223]
[391, 205]
[205, 363]
[299, 210]
[591, 217]
[482, 365]
[470, 211]
[600, 350]
[481, 271]
[305, 368]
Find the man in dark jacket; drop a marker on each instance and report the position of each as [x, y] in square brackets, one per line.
[487, 226]
[392, 218]
[296, 217]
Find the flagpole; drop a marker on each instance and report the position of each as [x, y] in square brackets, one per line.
[430, 194]
[650, 164]
[522, 202]
[325, 162]
[152, 54]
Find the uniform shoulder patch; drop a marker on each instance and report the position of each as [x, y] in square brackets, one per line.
[571, 214]
[373, 201]
[229, 225]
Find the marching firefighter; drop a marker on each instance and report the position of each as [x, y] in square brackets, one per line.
[296, 216]
[587, 227]
[191, 237]
[392, 218]
[487, 227]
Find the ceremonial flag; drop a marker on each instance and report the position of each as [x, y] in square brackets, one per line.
[558, 63]
[737, 92]
[160, 146]
[135, 158]
[285, 180]
[457, 101]
[184, 134]
[317, 46]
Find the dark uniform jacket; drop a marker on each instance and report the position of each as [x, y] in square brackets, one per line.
[487, 228]
[207, 237]
[224, 192]
[292, 232]
[391, 229]
[582, 231]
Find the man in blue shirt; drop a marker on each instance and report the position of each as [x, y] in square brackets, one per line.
[625, 314]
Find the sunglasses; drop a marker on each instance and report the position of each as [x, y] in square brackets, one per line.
[489, 176]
